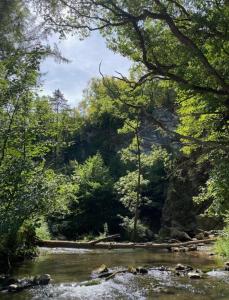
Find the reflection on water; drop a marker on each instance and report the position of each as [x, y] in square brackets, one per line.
[69, 268]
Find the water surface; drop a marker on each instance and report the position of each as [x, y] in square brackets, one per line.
[69, 270]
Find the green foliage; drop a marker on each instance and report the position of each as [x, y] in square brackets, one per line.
[126, 188]
[154, 168]
[128, 226]
[216, 190]
[94, 203]
[42, 231]
[222, 243]
[179, 50]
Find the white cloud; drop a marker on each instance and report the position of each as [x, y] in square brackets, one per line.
[85, 57]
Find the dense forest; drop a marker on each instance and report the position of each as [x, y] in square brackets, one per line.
[145, 156]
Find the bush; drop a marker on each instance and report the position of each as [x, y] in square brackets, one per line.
[222, 243]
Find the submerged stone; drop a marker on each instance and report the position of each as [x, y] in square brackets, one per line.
[161, 289]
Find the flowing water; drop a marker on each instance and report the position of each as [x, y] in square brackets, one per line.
[70, 269]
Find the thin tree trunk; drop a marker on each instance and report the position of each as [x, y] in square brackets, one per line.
[138, 186]
[8, 131]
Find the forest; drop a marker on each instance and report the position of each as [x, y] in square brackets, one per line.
[144, 156]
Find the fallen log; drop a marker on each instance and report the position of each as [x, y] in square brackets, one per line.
[113, 245]
[107, 238]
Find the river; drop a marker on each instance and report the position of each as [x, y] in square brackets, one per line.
[69, 268]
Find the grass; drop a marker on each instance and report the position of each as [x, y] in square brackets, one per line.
[222, 244]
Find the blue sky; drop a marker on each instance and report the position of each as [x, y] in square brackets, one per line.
[85, 57]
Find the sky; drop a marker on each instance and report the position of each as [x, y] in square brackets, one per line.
[85, 57]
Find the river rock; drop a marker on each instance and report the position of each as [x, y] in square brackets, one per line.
[102, 269]
[42, 279]
[13, 288]
[163, 268]
[226, 266]
[132, 270]
[195, 274]
[141, 270]
[180, 267]
[174, 249]
[9, 280]
[161, 289]
[192, 248]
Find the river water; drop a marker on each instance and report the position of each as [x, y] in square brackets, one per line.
[70, 269]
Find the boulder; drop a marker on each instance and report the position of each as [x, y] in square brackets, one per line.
[192, 248]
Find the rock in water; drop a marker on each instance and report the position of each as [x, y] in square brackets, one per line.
[13, 288]
[195, 274]
[141, 270]
[42, 279]
[192, 248]
[180, 267]
[162, 290]
[102, 269]
[226, 266]
[132, 270]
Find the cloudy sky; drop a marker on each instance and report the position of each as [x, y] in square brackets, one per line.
[85, 57]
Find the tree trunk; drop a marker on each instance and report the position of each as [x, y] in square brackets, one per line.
[138, 186]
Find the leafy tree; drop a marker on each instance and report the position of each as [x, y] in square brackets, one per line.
[25, 183]
[153, 181]
[95, 202]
